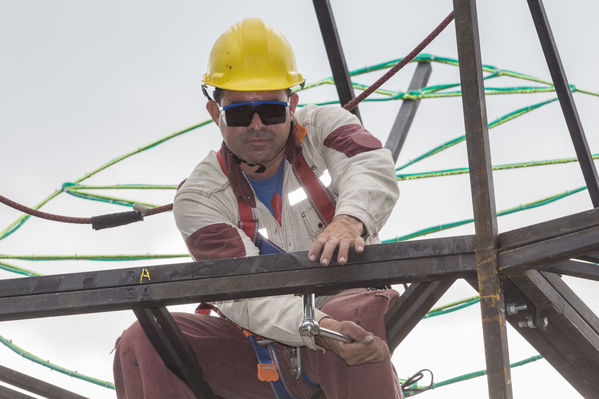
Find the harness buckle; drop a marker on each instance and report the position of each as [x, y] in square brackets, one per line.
[267, 372]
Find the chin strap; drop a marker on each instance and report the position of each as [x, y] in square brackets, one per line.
[261, 167]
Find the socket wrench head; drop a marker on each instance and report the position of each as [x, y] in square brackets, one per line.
[308, 328]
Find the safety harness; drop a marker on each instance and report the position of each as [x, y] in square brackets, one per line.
[323, 203]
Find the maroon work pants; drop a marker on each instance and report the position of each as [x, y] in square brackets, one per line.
[229, 364]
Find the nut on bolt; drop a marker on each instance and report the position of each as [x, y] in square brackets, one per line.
[513, 308]
[527, 323]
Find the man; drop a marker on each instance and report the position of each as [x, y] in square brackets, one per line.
[263, 193]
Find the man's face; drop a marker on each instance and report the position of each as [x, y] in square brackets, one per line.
[257, 142]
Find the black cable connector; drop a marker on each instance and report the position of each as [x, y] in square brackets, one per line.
[115, 219]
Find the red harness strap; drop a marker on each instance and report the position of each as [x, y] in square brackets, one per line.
[247, 219]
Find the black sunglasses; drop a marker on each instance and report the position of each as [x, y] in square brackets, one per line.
[241, 114]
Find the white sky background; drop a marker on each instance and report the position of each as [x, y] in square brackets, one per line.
[83, 82]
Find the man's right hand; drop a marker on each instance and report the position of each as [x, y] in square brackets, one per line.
[366, 348]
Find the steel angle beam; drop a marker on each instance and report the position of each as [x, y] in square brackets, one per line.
[549, 229]
[558, 248]
[573, 268]
[7, 393]
[483, 200]
[287, 262]
[559, 325]
[575, 302]
[408, 109]
[411, 307]
[564, 93]
[33, 385]
[291, 273]
[174, 349]
[332, 43]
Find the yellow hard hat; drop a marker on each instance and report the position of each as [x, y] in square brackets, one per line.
[252, 56]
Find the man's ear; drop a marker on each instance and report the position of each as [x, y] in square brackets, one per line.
[212, 108]
[293, 100]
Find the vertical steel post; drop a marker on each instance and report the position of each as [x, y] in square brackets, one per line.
[483, 201]
[564, 94]
[332, 43]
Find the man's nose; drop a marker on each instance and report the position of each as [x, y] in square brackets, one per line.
[256, 122]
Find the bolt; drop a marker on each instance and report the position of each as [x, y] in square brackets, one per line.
[513, 309]
[527, 323]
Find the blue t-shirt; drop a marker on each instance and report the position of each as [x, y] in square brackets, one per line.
[269, 192]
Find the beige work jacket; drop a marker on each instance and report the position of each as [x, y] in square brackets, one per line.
[346, 158]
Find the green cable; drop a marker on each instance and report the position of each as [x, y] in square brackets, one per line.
[502, 119]
[452, 307]
[8, 343]
[142, 149]
[18, 270]
[73, 186]
[420, 58]
[434, 91]
[468, 376]
[19, 222]
[449, 305]
[530, 205]
[107, 199]
[459, 171]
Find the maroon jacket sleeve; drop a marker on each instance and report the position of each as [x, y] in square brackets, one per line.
[216, 241]
[352, 140]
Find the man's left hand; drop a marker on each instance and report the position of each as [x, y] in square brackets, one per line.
[343, 232]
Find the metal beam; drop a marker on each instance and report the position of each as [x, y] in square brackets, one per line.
[34, 385]
[555, 249]
[292, 261]
[569, 339]
[566, 101]
[483, 200]
[408, 109]
[7, 393]
[572, 299]
[574, 269]
[332, 43]
[422, 260]
[550, 229]
[173, 348]
[411, 307]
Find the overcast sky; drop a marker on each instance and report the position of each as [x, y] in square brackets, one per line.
[84, 82]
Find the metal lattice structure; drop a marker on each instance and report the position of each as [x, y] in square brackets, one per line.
[509, 270]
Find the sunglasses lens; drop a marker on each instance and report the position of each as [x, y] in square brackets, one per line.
[272, 113]
[241, 115]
